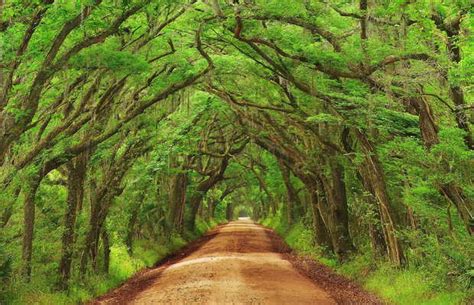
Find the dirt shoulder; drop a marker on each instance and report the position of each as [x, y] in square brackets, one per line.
[142, 280]
[343, 290]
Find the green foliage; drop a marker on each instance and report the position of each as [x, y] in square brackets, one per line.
[276, 7]
[301, 86]
[108, 57]
[410, 287]
[423, 284]
[323, 118]
[397, 123]
[299, 237]
[122, 267]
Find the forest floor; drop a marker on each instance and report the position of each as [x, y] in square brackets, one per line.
[238, 263]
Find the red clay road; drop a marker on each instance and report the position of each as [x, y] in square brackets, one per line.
[239, 263]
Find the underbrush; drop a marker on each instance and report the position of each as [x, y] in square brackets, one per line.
[412, 285]
[123, 266]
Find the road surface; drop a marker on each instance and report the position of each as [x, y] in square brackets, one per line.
[239, 264]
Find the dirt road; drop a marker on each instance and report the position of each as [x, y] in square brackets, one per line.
[238, 263]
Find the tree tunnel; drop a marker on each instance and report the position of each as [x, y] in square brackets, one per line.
[124, 123]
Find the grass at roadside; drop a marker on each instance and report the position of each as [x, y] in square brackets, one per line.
[410, 286]
[122, 267]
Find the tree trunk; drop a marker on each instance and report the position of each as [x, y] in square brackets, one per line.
[98, 228]
[456, 92]
[201, 190]
[428, 128]
[29, 215]
[229, 211]
[263, 186]
[194, 204]
[210, 209]
[131, 225]
[77, 170]
[293, 200]
[106, 250]
[178, 201]
[28, 225]
[375, 176]
[463, 204]
[451, 191]
[461, 117]
[320, 231]
[337, 215]
[201, 211]
[379, 246]
[90, 245]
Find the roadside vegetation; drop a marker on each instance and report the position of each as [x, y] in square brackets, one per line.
[435, 285]
[123, 265]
